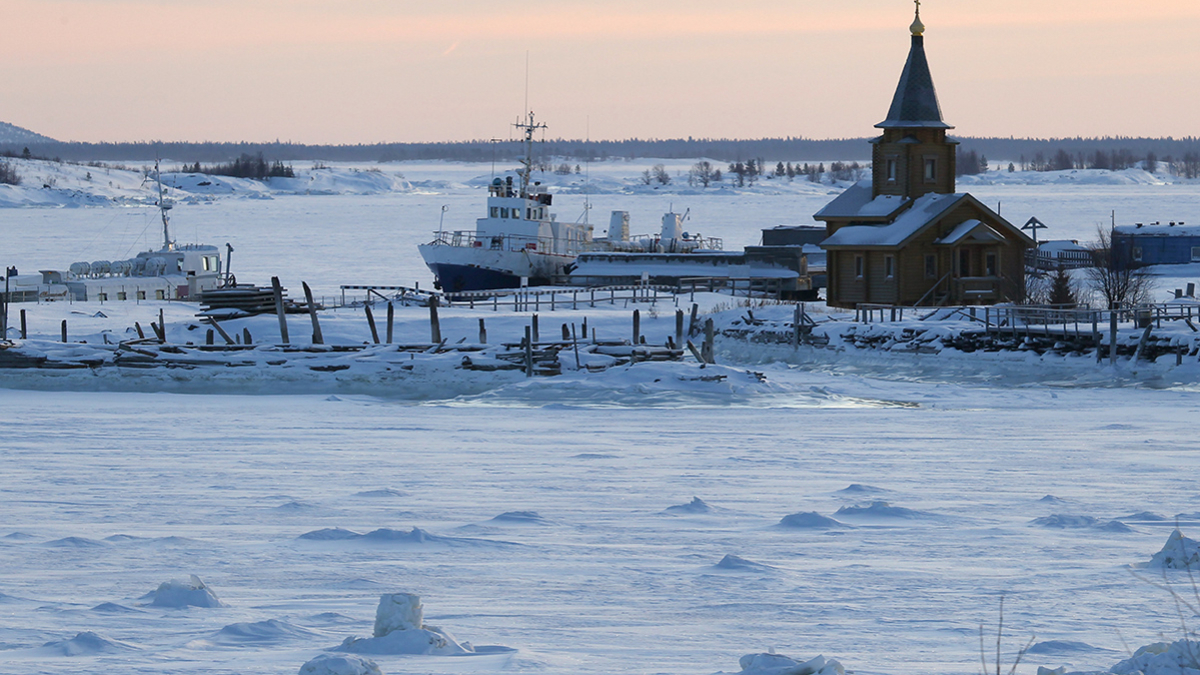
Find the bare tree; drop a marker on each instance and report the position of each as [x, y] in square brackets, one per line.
[1120, 283]
[702, 173]
[661, 175]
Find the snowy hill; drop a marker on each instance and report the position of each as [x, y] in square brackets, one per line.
[11, 134]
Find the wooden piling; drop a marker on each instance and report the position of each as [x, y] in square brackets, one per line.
[692, 325]
[637, 326]
[162, 326]
[371, 323]
[528, 352]
[283, 329]
[435, 325]
[796, 328]
[1112, 332]
[246, 336]
[317, 338]
[141, 333]
[534, 327]
[482, 333]
[64, 331]
[583, 330]
[566, 333]
[575, 342]
[709, 335]
[679, 326]
[208, 337]
[391, 321]
[213, 322]
[24, 332]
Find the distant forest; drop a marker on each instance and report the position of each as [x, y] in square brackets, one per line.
[1032, 152]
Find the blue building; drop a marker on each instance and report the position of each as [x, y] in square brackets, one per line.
[1155, 244]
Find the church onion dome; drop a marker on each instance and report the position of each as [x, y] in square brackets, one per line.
[915, 103]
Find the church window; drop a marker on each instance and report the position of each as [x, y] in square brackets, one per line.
[889, 267]
[930, 266]
[858, 267]
[930, 169]
[990, 264]
[891, 169]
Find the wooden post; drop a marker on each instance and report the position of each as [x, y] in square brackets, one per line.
[537, 337]
[283, 329]
[679, 327]
[246, 339]
[159, 332]
[162, 326]
[699, 354]
[141, 333]
[371, 323]
[1096, 336]
[692, 326]
[435, 325]
[64, 330]
[219, 329]
[583, 329]
[482, 333]
[1112, 332]
[575, 341]
[528, 352]
[317, 338]
[24, 332]
[208, 337]
[709, 335]
[391, 320]
[566, 333]
[637, 327]
[796, 329]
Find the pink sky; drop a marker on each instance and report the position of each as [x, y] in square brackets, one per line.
[351, 71]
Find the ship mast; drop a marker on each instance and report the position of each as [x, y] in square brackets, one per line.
[527, 163]
[163, 207]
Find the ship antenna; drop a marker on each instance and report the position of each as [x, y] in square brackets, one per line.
[163, 208]
[527, 163]
[587, 170]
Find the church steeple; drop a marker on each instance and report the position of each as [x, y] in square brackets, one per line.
[915, 103]
[914, 157]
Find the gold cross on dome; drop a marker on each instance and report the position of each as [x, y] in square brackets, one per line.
[918, 6]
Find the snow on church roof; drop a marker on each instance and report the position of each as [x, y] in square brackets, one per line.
[856, 202]
[924, 211]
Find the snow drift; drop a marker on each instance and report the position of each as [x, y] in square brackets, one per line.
[86, 643]
[339, 664]
[1179, 553]
[778, 664]
[178, 594]
[400, 629]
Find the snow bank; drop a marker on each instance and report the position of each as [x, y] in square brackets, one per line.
[520, 518]
[1160, 658]
[400, 629]
[697, 505]
[178, 594]
[339, 664]
[86, 643]
[738, 564]
[882, 511]
[386, 535]
[808, 520]
[1178, 553]
[259, 633]
[1060, 521]
[778, 664]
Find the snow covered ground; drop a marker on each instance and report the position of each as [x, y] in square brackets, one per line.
[558, 517]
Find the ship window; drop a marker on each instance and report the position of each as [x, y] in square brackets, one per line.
[930, 266]
[504, 212]
[495, 211]
[204, 263]
[141, 295]
[516, 214]
[528, 214]
[160, 295]
[121, 295]
[889, 266]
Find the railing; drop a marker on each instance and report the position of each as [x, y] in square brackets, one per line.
[1059, 259]
[505, 242]
[1010, 316]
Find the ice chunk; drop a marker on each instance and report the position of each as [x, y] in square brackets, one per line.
[178, 594]
[697, 505]
[736, 563]
[398, 611]
[340, 664]
[1178, 553]
[777, 664]
[1161, 658]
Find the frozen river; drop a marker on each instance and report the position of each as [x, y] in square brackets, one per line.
[603, 563]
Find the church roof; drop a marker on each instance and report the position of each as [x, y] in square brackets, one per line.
[856, 203]
[915, 103]
[925, 210]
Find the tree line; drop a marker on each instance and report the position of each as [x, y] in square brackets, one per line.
[791, 149]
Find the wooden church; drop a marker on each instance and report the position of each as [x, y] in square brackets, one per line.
[904, 236]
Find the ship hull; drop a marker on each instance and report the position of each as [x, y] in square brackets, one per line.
[459, 269]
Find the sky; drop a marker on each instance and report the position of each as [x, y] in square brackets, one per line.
[367, 71]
